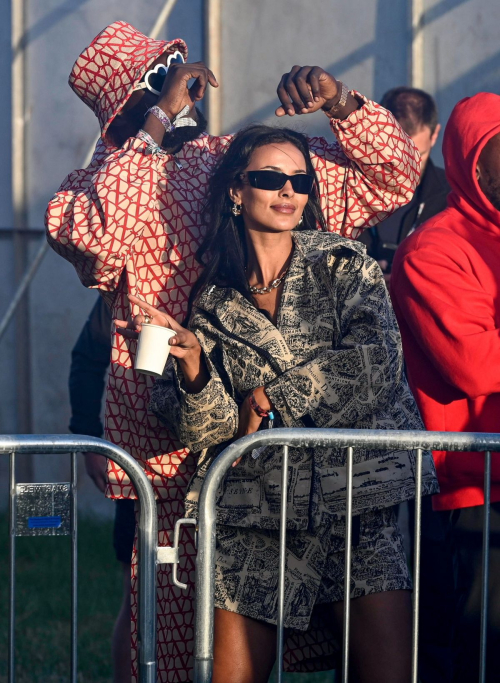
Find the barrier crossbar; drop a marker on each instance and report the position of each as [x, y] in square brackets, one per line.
[348, 439]
[147, 539]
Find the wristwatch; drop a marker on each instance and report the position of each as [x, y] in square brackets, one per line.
[341, 103]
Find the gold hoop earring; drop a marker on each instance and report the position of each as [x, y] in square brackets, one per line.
[237, 209]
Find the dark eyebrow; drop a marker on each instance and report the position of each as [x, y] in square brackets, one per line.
[280, 170]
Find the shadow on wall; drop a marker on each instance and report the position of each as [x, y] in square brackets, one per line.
[52, 18]
[483, 77]
[375, 49]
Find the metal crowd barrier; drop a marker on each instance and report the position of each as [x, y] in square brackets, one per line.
[50, 509]
[335, 438]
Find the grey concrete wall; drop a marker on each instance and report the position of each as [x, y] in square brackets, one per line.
[364, 42]
[262, 40]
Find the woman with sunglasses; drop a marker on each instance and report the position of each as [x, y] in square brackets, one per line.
[292, 326]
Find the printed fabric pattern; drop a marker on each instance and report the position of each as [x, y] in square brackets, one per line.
[131, 223]
[247, 560]
[334, 356]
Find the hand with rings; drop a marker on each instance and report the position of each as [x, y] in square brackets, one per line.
[184, 344]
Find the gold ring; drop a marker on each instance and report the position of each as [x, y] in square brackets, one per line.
[147, 319]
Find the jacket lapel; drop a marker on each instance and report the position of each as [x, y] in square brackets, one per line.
[236, 318]
[308, 280]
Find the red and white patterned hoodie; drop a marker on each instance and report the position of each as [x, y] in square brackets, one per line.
[130, 223]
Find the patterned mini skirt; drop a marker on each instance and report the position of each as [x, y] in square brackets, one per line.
[247, 567]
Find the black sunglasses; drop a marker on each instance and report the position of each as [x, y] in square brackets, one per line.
[302, 183]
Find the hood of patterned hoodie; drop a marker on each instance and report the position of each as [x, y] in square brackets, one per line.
[473, 121]
[105, 73]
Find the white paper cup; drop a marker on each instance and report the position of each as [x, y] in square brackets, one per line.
[153, 349]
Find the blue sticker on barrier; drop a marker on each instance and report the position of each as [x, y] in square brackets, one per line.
[44, 522]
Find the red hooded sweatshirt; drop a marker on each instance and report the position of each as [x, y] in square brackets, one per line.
[445, 288]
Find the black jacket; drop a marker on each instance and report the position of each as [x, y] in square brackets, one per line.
[383, 239]
[87, 376]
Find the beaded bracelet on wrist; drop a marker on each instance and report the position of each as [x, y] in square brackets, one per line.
[152, 146]
[159, 114]
[257, 409]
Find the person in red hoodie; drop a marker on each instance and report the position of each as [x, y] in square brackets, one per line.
[445, 292]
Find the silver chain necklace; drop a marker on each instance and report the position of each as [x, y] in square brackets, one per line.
[274, 285]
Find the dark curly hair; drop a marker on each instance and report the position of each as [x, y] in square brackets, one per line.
[223, 251]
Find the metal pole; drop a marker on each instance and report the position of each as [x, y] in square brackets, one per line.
[417, 43]
[20, 219]
[347, 566]
[485, 565]
[212, 58]
[282, 562]
[148, 526]
[12, 568]
[416, 565]
[18, 74]
[74, 569]
[22, 287]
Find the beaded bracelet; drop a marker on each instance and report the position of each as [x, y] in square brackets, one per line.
[260, 411]
[152, 147]
[159, 114]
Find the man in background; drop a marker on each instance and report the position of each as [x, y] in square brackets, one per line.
[416, 112]
[87, 380]
[444, 288]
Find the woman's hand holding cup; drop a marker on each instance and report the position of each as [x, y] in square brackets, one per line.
[160, 335]
[183, 344]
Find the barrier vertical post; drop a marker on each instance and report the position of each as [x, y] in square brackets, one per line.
[416, 565]
[147, 531]
[418, 441]
[485, 566]
[74, 569]
[282, 562]
[347, 566]
[12, 568]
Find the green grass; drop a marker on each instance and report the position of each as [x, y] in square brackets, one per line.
[43, 604]
[43, 607]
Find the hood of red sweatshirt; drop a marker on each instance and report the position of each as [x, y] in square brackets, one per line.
[473, 121]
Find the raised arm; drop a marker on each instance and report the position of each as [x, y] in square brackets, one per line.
[99, 214]
[371, 169]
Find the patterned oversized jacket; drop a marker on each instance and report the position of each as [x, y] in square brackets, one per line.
[333, 357]
[131, 223]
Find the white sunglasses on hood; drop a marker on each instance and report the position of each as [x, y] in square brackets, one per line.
[154, 78]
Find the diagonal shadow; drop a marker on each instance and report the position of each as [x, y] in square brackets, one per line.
[484, 76]
[346, 62]
[439, 10]
[357, 56]
[47, 22]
